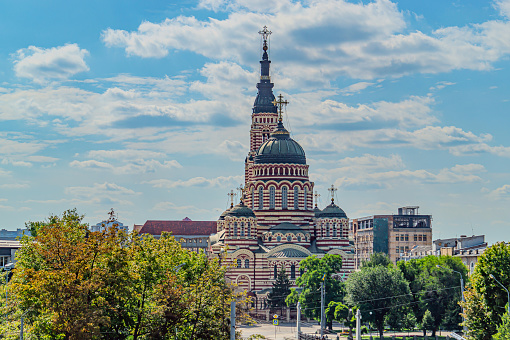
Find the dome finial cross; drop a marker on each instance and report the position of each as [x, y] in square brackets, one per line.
[265, 33]
[332, 193]
[280, 103]
[316, 196]
[232, 194]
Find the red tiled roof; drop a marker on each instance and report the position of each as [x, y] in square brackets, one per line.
[179, 227]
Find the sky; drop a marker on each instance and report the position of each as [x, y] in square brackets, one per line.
[145, 106]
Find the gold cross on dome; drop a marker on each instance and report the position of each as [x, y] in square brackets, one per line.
[241, 191]
[332, 192]
[316, 196]
[232, 194]
[280, 103]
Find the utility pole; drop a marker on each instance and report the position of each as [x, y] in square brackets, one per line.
[358, 325]
[323, 319]
[233, 320]
[298, 322]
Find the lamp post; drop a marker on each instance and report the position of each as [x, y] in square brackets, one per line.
[508, 294]
[461, 292]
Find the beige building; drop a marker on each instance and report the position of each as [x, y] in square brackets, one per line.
[394, 235]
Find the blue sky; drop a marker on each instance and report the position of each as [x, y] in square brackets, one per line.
[144, 106]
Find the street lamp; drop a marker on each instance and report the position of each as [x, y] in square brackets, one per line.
[508, 294]
[461, 292]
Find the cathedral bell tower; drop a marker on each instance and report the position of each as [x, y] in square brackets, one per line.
[264, 117]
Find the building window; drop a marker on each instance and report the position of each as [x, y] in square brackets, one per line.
[235, 228]
[327, 229]
[249, 229]
[397, 238]
[293, 272]
[261, 198]
[296, 198]
[407, 237]
[238, 263]
[306, 197]
[289, 238]
[425, 238]
[284, 197]
[334, 230]
[299, 238]
[271, 197]
[275, 272]
[278, 238]
[253, 198]
[415, 237]
[246, 263]
[419, 237]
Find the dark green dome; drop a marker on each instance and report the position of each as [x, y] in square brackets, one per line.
[240, 210]
[286, 227]
[222, 216]
[317, 211]
[332, 211]
[280, 148]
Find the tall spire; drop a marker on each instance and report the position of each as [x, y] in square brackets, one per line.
[265, 96]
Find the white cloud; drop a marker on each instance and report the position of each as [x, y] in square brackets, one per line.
[222, 181]
[56, 63]
[502, 192]
[356, 88]
[185, 209]
[131, 167]
[99, 189]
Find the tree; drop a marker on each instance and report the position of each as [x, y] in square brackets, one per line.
[485, 298]
[503, 329]
[315, 269]
[435, 289]
[281, 289]
[77, 284]
[427, 322]
[377, 289]
[378, 259]
[342, 313]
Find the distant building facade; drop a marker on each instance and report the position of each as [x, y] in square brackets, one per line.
[467, 248]
[13, 234]
[8, 250]
[192, 235]
[394, 235]
[111, 222]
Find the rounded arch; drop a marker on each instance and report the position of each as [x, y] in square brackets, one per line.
[288, 246]
[241, 279]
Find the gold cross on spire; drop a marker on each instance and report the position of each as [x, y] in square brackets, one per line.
[332, 193]
[232, 194]
[280, 103]
[316, 196]
[112, 216]
[265, 33]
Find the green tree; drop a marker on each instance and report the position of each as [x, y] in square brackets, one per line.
[427, 322]
[436, 289]
[343, 314]
[377, 289]
[315, 269]
[485, 298]
[503, 329]
[281, 289]
[378, 259]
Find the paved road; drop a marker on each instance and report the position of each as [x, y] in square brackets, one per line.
[283, 332]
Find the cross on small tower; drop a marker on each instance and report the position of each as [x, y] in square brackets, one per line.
[332, 193]
[232, 194]
[112, 215]
[265, 33]
[316, 196]
[280, 103]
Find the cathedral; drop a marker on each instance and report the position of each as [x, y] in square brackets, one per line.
[276, 224]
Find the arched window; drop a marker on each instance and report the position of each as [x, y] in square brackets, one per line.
[334, 230]
[299, 238]
[293, 272]
[261, 198]
[246, 263]
[271, 198]
[269, 239]
[253, 198]
[235, 228]
[249, 229]
[278, 238]
[242, 228]
[275, 271]
[327, 229]
[238, 263]
[306, 198]
[284, 197]
[296, 198]
[289, 238]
